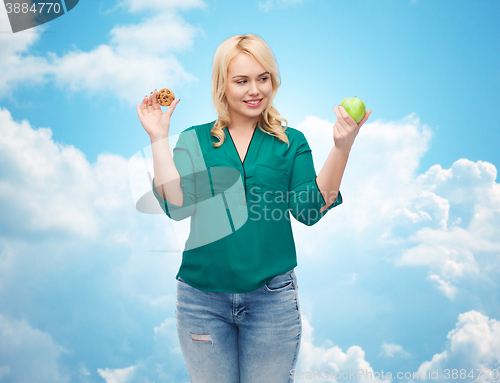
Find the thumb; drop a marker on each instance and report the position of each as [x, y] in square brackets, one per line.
[367, 114]
[170, 110]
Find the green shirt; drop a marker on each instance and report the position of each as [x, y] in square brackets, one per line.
[240, 232]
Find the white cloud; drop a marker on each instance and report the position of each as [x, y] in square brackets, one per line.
[71, 227]
[47, 187]
[391, 350]
[331, 362]
[127, 77]
[83, 371]
[164, 364]
[51, 195]
[118, 375]
[440, 255]
[29, 355]
[376, 183]
[381, 167]
[446, 287]
[143, 38]
[444, 220]
[463, 243]
[137, 58]
[473, 344]
[14, 65]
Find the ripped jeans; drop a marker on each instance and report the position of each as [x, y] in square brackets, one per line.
[240, 338]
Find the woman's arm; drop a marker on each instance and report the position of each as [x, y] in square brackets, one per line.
[175, 176]
[305, 199]
[175, 194]
[168, 180]
[345, 131]
[157, 124]
[329, 177]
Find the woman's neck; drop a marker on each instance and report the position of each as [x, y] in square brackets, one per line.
[243, 125]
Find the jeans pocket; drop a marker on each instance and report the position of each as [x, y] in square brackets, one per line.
[281, 282]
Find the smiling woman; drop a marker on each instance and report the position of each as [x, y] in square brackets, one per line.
[248, 94]
[245, 80]
[237, 311]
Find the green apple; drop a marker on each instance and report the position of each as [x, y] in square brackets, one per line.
[355, 107]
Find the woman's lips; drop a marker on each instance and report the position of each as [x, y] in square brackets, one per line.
[253, 105]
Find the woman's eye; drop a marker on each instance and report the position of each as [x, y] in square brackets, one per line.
[263, 79]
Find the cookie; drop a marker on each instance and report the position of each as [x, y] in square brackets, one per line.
[165, 97]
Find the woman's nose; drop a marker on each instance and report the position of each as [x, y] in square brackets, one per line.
[254, 88]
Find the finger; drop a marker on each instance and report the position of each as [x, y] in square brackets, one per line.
[367, 114]
[348, 119]
[338, 127]
[339, 133]
[341, 119]
[337, 113]
[150, 102]
[156, 104]
[145, 103]
[139, 110]
[171, 108]
[338, 130]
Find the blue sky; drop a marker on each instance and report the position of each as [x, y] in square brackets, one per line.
[401, 277]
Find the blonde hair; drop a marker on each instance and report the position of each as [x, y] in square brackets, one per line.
[270, 120]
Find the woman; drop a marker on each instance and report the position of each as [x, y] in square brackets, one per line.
[237, 309]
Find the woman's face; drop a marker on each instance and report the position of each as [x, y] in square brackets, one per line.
[248, 88]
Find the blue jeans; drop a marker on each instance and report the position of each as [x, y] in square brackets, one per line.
[240, 338]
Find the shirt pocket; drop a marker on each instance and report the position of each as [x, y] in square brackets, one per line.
[213, 176]
[269, 174]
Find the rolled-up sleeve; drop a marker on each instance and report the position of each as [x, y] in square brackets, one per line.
[184, 165]
[305, 199]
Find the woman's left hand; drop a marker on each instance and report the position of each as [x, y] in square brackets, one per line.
[345, 129]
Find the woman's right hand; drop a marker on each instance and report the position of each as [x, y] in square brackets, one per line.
[154, 122]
